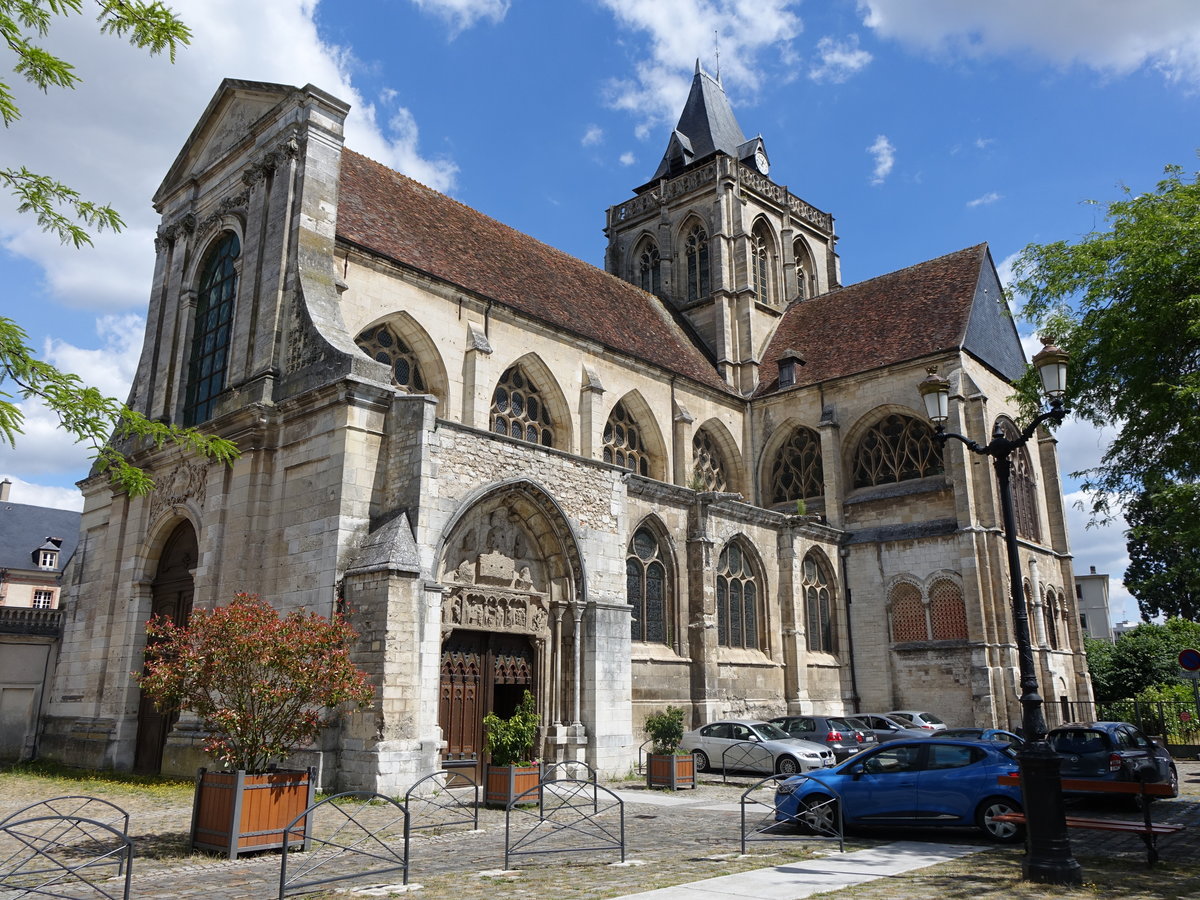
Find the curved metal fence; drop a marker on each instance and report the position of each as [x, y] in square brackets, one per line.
[64, 856]
[575, 817]
[745, 755]
[768, 815]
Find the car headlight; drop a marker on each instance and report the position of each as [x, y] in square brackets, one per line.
[784, 787]
[811, 755]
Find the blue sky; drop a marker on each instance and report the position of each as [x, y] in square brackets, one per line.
[923, 126]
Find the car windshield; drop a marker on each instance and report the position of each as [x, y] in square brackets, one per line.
[932, 719]
[1077, 740]
[858, 724]
[770, 732]
[843, 725]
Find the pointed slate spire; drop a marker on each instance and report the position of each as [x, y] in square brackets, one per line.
[706, 125]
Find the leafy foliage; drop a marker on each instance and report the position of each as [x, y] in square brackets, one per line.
[103, 423]
[1139, 659]
[1125, 303]
[1164, 551]
[258, 682]
[510, 741]
[665, 729]
[151, 26]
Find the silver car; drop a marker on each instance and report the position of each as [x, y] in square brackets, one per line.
[753, 745]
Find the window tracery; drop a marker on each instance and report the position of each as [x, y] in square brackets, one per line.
[519, 409]
[737, 599]
[649, 268]
[208, 361]
[696, 256]
[897, 448]
[815, 585]
[623, 443]
[648, 588]
[797, 472]
[760, 252]
[1023, 487]
[384, 345]
[708, 464]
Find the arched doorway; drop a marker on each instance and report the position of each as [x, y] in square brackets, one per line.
[512, 574]
[171, 596]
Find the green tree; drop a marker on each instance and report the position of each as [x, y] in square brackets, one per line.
[1143, 658]
[105, 424]
[1125, 303]
[1164, 551]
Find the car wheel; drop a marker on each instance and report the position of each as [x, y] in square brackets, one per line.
[1004, 832]
[1173, 781]
[818, 814]
[700, 760]
[787, 765]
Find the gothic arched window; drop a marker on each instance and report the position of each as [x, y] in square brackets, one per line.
[1023, 487]
[907, 613]
[796, 473]
[815, 581]
[708, 464]
[1049, 614]
[737, 598]
[648, 588]
[806, 272]
[208, 361]
[947, 612]
[649, 267]
[760, 252]
[386, 346]
[695, 249]
[519, 409]
[623, 444]
[897, 448]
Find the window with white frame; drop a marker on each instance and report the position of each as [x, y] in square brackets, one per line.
[47, 559]
[43, 599]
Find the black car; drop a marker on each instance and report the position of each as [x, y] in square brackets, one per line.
[1112, 751]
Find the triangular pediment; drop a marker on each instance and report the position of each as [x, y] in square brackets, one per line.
[227, 121]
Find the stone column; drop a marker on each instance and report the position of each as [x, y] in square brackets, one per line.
[475, 403]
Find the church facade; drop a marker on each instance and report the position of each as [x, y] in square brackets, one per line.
[698, 478]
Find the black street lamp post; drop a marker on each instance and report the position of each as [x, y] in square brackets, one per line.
[1048, 859]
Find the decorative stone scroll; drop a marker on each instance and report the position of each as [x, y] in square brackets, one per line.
[186, 480]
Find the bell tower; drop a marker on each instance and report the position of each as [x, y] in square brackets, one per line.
[712, 235]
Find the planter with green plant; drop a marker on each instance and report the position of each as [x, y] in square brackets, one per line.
[666, 765]
[262, 686]
[512, 769]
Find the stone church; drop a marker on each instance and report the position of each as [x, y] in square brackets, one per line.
[701, 477]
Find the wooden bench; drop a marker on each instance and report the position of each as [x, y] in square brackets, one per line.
[1147, 830]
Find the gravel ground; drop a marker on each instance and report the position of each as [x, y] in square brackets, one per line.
[670, 839]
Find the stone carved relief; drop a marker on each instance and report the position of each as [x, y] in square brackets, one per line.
[186, 480]
[493, 585]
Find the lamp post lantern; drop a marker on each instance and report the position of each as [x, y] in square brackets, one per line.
[1049, 859]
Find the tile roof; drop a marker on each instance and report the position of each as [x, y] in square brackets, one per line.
[903, 315]
[389, 214]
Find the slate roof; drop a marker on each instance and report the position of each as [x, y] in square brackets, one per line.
[24, 528]
[915, 312]
[389, 214]
[707, 122]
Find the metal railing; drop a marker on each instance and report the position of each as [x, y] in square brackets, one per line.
[818, 810]
[575, 817]
[745, 755]
[441, 800]
[59, 853]
[360, 837]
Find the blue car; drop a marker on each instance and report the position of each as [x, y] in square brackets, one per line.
[926, 781]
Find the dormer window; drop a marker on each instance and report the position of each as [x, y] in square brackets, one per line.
[787, 367]
[46, 556]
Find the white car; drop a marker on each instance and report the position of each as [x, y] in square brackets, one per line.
[753, 745]
[926, 721]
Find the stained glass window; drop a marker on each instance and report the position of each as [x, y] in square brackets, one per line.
[212, 330]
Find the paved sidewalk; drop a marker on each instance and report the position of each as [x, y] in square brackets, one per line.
[796, 880]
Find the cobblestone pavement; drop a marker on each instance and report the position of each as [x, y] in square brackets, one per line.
[670, 838]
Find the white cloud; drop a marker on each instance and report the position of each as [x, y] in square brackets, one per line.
[627, 158]
[1102, 546]
[679, 31]
[885, 158]
[32, 494]
[838, 60]
[988, 198]
[462, 14]
[593, 136]
[115, 136]
[42, 448]
[984, 143]
[1110, 36]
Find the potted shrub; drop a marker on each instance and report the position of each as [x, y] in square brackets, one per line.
[262, 686]
[666, 765]
[511, 769]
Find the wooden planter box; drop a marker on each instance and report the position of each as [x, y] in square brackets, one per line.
[503, 783]
[666, 770]
[235, 813]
